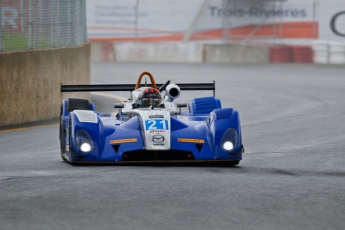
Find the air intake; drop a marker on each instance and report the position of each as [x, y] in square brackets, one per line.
[223, 113]
[204, 105]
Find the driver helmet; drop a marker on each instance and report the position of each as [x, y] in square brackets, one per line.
[149, 96]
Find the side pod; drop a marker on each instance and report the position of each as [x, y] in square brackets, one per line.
[224, 133]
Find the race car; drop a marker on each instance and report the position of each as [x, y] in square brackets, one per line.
[150, 126]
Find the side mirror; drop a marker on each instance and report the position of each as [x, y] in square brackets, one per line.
[119, 106]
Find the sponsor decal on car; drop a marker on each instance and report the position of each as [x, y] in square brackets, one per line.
[190, 140]
[156, 116]
[158, 138]
[157, 131]
[123, 141]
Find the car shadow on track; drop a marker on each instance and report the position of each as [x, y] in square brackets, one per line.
[164, 164]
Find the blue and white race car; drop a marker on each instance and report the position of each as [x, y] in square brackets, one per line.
[150, 127]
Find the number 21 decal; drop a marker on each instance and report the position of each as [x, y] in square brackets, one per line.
[156, 124]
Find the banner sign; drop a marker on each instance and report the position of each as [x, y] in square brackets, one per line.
[10, 11]
[171, 20]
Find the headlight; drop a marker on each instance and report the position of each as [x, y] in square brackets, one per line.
[85, 147]
[228, 145]
[84, 141]
[229, 139]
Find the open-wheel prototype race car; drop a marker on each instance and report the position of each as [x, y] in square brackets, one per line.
[150, 127]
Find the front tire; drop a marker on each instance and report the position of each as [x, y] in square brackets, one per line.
[233, 163]
[62, 139]
[70, 105]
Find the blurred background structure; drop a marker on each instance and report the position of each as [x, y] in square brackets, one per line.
[37, 24]
[43, 44]
[275, 30]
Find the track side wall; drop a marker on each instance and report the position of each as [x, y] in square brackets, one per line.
[30, 81]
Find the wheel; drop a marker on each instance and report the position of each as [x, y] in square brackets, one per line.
[64, 144]
[72, 104]
[61, 134]
[62, 139]
[233, 163]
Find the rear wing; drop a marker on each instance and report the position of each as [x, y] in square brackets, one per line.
[131, 87]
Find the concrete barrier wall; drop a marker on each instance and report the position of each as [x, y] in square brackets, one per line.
[159, 52]
[236, 53]
[30, 82]
[147, 52]
[102, 51]
[191, 52]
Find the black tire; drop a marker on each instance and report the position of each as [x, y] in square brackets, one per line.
[62, 139]
[233, 163]
[69, 135]
[72, 104]
[62, 142]
[62, 135]
[75, 103]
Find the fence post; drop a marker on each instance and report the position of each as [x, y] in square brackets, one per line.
[136, 21]
[52, 23]
[58, 23]
[22, 16]
[39, 45]
[84, 24]
[30, 25]
[314, 20]
[70, 11]
[195, 21]
[224, 22]
[0, 25]
[73, 22]
[281, 23]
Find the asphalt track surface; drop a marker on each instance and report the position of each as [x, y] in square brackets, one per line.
[292, 175]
